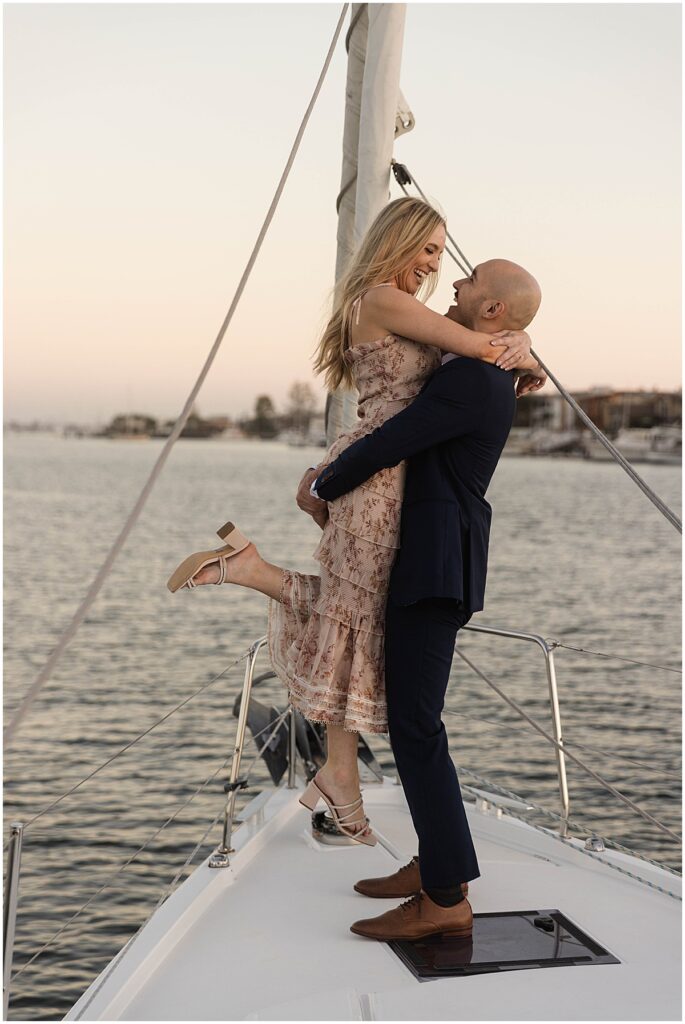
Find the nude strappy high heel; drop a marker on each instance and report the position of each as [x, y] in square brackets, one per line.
[234, 543]
[310, 799]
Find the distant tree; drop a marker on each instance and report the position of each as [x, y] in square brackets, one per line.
[301, 405]
[264, 423]
[131, 423]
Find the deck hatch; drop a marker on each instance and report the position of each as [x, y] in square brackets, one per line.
[512, 941]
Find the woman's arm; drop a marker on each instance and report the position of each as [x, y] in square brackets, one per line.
[400, 313]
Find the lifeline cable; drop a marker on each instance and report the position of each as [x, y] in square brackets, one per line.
[567, 753]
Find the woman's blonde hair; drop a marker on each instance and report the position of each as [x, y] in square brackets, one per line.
[397, 235]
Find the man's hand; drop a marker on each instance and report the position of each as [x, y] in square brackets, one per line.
[530, 381]
[314, 507]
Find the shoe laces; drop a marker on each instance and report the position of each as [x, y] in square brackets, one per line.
[411, 902]
[407, 867]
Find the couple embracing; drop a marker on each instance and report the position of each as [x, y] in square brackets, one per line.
[367, 645]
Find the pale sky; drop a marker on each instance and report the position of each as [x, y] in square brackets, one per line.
[143, 144]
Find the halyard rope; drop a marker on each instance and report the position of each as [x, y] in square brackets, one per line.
[79, 615]
[402, 174]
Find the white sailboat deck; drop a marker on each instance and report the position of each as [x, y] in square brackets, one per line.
[268, 938]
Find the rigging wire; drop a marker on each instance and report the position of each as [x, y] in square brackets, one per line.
[604, 860]
[449, 252]
[617, 657]
[570, 743]
[668, 514]
[274, 726]
[500, 790]
[550, 739]
[122, 952]
[78, 617]
[406, 177]
[132, 742]
[119, 870]
[569, 841]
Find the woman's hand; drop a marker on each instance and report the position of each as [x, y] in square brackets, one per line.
[517, 348]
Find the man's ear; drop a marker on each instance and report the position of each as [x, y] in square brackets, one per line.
[492, 308]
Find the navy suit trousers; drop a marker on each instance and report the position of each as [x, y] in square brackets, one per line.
[419, 646]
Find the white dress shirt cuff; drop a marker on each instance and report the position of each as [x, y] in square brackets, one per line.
[312, 490]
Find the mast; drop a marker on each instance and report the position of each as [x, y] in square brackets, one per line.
[375, 114]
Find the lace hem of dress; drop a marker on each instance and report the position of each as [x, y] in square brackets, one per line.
[340, 719]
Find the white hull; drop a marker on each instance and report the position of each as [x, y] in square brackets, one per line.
[268, 938]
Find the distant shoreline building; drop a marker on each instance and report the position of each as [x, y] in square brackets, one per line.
[646, 425]
[610, 410]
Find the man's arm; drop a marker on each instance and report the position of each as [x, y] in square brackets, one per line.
[451, 405]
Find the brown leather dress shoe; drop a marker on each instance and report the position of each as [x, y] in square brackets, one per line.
[403, 883]
[415, 919]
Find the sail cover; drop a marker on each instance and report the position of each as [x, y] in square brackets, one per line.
[375, 113]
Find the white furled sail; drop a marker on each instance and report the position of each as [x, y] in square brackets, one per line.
[375, 113]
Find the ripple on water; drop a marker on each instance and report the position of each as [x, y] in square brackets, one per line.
[577, 554]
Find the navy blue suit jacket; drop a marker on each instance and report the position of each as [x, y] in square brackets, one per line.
[452, 434]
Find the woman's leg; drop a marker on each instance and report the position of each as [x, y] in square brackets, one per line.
[339, 777]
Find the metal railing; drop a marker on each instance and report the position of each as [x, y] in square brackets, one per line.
[236, 782]
[547, 649]
[220, 857]
[9, 915]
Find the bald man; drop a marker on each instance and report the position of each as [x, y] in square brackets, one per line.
[452, 436]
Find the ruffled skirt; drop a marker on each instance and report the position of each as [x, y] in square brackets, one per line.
[326, 635]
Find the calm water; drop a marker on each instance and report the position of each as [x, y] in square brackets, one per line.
[577, 554]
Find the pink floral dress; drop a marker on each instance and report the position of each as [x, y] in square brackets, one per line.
[326, 634]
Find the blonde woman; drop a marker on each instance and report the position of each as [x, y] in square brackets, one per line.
[326, 632]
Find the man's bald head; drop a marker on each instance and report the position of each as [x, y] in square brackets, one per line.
[498, 296]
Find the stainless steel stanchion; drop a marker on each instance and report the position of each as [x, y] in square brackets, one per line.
[10, 908]
[292, 747]
[220, 858]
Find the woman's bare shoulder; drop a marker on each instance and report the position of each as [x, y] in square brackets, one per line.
[382, 294]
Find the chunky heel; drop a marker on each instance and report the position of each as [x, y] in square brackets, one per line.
[314, 793]
[232, 536]
[311, 796]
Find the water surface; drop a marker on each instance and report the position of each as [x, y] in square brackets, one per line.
[578, 554]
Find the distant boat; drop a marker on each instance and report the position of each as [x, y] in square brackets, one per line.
[296, 439]
[656, 445]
